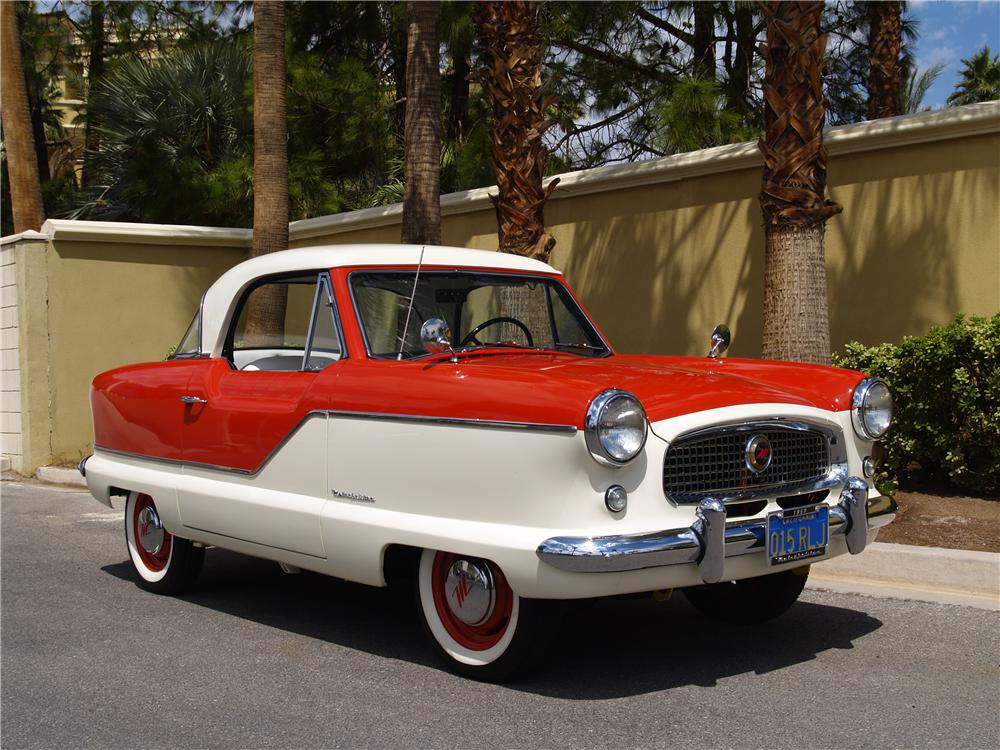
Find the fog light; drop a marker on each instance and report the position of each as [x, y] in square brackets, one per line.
[616, 498]
[868, 467]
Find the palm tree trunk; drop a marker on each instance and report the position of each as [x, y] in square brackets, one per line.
[22, 165]
[422, 159]
[793, 199]
[885, 79]
[511, 49]
[266, 309]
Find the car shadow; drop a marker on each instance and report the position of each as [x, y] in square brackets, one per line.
[603, 648]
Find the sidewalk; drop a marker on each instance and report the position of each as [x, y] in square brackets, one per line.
[904, 571]
[897, 571]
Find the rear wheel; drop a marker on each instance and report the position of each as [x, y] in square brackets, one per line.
[478, 626]
[164, 563]
[751, 600]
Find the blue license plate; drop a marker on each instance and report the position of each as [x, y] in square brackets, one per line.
[797, 534]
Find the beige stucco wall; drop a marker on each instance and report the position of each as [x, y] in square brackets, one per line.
[660, 252]
[110, 304]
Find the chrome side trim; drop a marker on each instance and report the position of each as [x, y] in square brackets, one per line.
[703, 541]
[488, 423]
[565, 429]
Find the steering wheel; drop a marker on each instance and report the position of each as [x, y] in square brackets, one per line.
[470, 337]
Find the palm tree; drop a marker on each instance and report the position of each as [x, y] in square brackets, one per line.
[175, 138]
[266, 308]
[916, 85]
[885, 76]
[980, 80]
[511, 48]
[793, 200]
[19, 143]
[422, 155]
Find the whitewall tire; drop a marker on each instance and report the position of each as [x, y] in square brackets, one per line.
[479, 627]
[163, 563]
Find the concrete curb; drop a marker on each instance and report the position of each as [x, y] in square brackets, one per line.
[61, 475]
[911, 572]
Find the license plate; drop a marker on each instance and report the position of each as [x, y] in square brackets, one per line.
[797, 534]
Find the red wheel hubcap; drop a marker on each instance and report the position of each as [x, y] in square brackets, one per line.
[451, 595]
[145, 525]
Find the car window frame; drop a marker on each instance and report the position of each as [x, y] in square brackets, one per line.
[321, 279]
[575, 305]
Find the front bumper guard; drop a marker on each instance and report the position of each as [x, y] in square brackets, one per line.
[710, 539]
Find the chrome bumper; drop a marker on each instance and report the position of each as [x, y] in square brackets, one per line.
[710, 539]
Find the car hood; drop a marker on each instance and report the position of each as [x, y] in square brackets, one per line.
[557, 388]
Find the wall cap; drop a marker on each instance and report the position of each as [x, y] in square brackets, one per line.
[30, 234]
[151, 234]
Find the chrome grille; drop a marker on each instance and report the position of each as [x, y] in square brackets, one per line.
[714, 463]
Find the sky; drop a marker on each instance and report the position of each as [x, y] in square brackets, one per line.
[949, 31]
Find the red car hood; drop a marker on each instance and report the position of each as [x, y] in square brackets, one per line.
[556, 388]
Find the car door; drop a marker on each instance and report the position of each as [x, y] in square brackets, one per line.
[255, 421]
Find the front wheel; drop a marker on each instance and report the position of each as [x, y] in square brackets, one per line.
[751, 600]
[479, 627]
[164, 563]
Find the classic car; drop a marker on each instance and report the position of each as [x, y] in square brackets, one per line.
[454, 418]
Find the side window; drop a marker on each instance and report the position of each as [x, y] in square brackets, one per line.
[286, 324]
[190, 345]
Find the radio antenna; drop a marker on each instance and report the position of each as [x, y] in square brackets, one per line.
[406, 325]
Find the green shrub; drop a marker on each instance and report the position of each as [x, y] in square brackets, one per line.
[946, 389]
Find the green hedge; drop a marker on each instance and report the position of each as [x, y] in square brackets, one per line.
[946, 389]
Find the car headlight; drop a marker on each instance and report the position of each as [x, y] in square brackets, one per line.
[615, 427]
[871, 409]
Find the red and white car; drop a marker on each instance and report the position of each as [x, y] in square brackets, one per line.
[456, 415]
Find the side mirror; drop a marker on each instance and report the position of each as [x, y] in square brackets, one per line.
[435, 336]
[721, 338]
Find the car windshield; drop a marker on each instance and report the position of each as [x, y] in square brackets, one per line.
[481, 309]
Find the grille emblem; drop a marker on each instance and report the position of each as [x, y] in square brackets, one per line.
[758, 453]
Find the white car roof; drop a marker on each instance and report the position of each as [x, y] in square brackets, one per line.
[217, 304]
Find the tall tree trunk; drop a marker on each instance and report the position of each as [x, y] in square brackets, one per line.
[704, 39]
[510, 52]
[397, 42]
[22, 166]
[422, 160]
[38, 132]
[885, 84]
[793, 199]
[458, 112]
[739, 80]
[35, 91]
[95, 72]
[266, 310]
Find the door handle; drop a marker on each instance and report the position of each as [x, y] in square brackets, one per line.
[193, 400]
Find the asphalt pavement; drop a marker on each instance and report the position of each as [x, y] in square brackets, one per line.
[256, 658]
